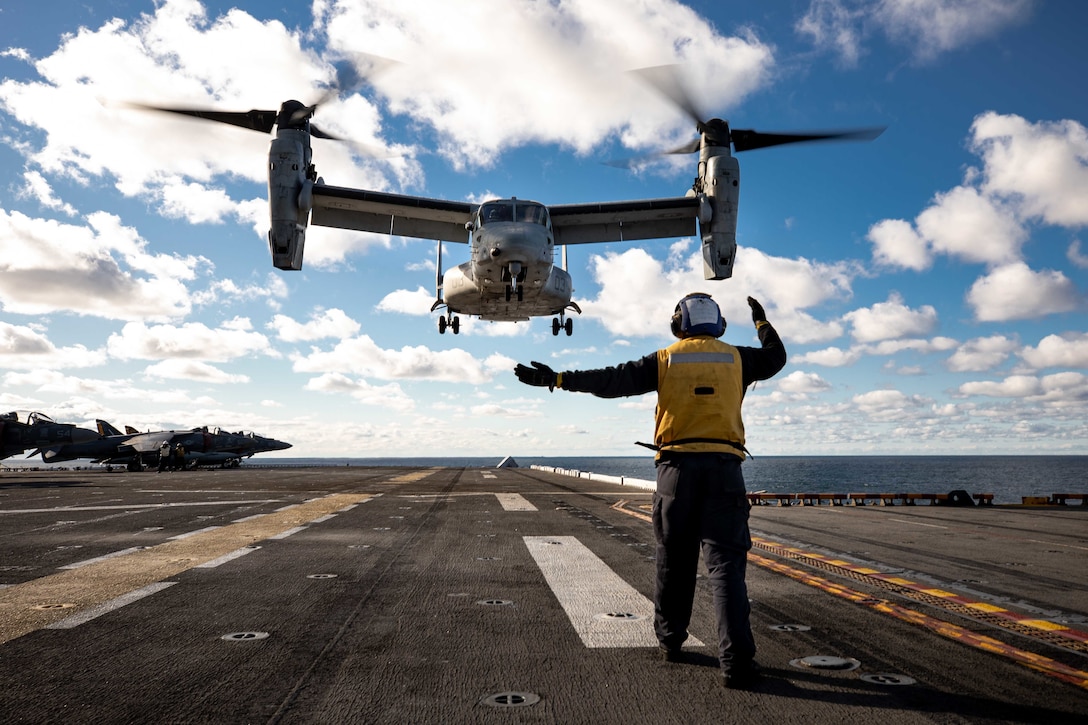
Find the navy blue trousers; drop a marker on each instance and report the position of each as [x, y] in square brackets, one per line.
[700, 502]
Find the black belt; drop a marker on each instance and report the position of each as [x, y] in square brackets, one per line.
[683, 441]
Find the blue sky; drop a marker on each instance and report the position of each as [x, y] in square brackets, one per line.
[930, 285]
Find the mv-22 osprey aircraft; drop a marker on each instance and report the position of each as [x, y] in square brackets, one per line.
[511, 274]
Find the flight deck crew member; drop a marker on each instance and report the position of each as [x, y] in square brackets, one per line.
[699, 438]
[164, 455]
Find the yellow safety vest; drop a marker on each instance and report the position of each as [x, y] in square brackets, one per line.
[699, 394]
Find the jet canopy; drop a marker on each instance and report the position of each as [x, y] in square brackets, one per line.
[27, 417]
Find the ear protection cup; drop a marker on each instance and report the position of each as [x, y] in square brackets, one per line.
[675, 322]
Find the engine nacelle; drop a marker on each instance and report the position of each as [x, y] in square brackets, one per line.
[288, 171]
[287, 242]
[721, 186]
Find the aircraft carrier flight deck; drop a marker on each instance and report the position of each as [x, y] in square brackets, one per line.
[509, 595]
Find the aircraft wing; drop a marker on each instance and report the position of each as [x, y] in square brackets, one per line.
[624, 221]
[394, 214]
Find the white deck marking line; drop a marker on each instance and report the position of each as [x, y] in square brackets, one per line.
[25, 606]
[589, 592]
[916, 523]
[514, 502]
[288, 532]
[227, 557]
[133, 506]
[106, 607]
[104, 557]
[186, 535]
[1055, 543]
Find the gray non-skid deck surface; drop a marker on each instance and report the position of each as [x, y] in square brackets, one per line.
[410, 596]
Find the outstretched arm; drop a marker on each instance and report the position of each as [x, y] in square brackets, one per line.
[630, 378]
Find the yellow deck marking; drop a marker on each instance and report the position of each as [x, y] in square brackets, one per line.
[413, 476]
[937, 592]
[1036, 662]
[32, 605]
[1043, 624]
[984, 607]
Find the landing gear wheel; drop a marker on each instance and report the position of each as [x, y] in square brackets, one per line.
[442, 325]
[568, 326]
[555, 326]
[455, 325]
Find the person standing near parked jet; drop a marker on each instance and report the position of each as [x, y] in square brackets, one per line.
[164, 455]
[699, 439]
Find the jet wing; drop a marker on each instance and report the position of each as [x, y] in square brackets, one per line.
[624, 221]
[394, 214]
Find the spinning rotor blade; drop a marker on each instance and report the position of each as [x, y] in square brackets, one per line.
[255, 120]
[666, 81]
[747, 140]
[349, 79]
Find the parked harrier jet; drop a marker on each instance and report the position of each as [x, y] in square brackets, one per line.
[22, 430]
[203, 447]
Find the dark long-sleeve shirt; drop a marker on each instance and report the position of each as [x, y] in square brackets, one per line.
[640, 376]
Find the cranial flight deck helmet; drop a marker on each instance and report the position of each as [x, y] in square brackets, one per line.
[697, 314]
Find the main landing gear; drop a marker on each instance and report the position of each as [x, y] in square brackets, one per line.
[563, 322]
[452, 321]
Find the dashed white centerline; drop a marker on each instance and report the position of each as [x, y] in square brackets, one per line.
[604, 609]
[514, 502]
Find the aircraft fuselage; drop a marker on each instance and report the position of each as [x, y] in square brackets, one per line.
[511, 274]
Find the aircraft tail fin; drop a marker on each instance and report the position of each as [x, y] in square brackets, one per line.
[105, 429]
[131, 431]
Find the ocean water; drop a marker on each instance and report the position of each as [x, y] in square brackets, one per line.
[1007, 477]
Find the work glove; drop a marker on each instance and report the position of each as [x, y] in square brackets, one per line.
[539, 375]
[758, 315]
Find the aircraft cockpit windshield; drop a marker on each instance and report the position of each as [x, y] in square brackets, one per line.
[27, 417]
[496, 211]
[510, 210]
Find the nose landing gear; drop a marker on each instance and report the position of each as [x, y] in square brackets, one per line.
[514, 272]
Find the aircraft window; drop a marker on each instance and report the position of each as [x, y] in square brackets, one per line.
[496, 213]
[533, 213]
